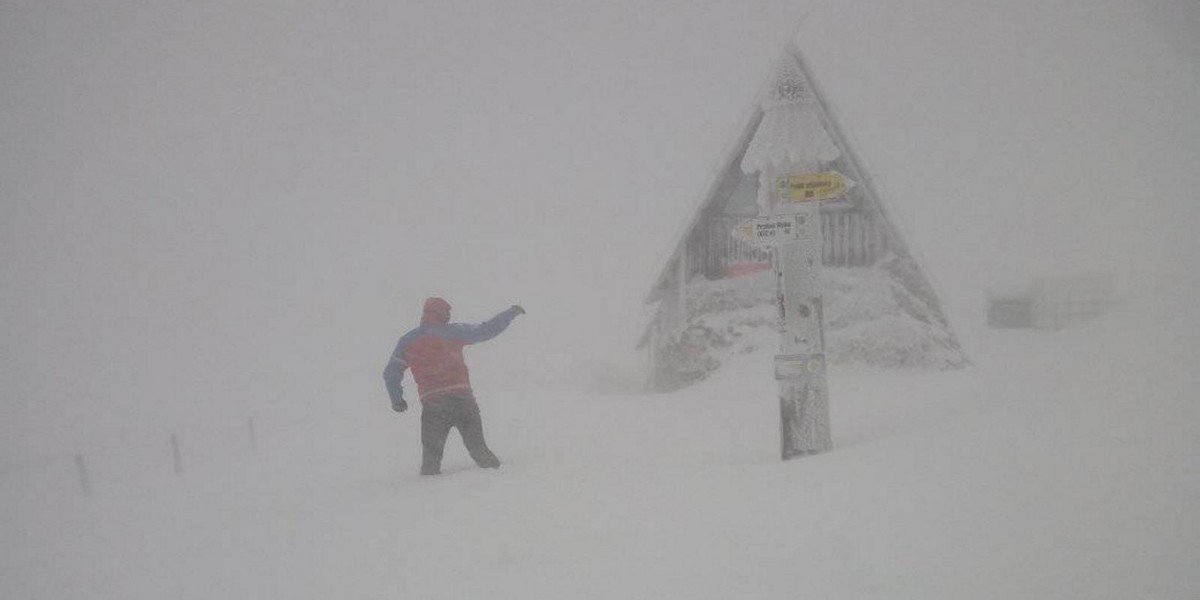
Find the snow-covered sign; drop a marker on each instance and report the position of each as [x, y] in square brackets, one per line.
[813, 187]
[798, 366]
[773, 231]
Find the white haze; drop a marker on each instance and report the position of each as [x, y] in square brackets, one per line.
[223, 209]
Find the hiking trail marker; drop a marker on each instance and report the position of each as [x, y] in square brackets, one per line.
[813, 187]
[800, 365]
[774, 231]
[794, 233]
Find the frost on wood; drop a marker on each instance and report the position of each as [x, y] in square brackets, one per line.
[870, 320]
[791, 131]
[878, 307]
[805, 418]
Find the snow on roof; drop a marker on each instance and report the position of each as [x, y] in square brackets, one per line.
[790, 131]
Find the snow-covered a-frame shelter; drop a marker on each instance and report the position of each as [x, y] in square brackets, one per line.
[718, 295]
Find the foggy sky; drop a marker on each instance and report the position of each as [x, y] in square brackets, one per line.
[214, 208]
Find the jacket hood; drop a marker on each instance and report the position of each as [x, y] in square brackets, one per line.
[436, 310]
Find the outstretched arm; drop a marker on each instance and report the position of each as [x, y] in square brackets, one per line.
[473, 334]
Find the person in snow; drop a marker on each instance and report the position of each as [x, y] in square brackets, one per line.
[434, 352]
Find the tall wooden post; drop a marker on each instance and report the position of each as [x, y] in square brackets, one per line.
[800, 366]
[788, 151]
[795, 233]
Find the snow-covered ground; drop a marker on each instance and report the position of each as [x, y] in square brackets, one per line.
[1062, 465]
[218, 210]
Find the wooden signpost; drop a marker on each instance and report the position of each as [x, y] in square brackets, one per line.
[800, 367]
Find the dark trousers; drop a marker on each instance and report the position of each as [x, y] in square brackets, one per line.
[437, 417]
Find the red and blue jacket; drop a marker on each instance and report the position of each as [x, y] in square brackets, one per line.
[434, 352]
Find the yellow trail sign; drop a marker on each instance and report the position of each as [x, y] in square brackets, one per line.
[812, 188]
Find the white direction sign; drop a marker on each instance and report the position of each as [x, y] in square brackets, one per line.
[774, 231]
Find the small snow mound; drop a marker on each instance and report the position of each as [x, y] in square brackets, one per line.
[870, 320]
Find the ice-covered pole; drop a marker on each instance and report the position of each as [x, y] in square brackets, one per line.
[800, 366]
[787, 152]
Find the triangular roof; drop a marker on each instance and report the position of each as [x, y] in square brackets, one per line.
[780, 141]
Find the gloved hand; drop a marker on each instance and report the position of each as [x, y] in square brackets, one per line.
[399, 405]
[517, 307]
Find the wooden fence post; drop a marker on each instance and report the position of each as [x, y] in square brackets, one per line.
[176, 457]
[85, 482]
[253, 434]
